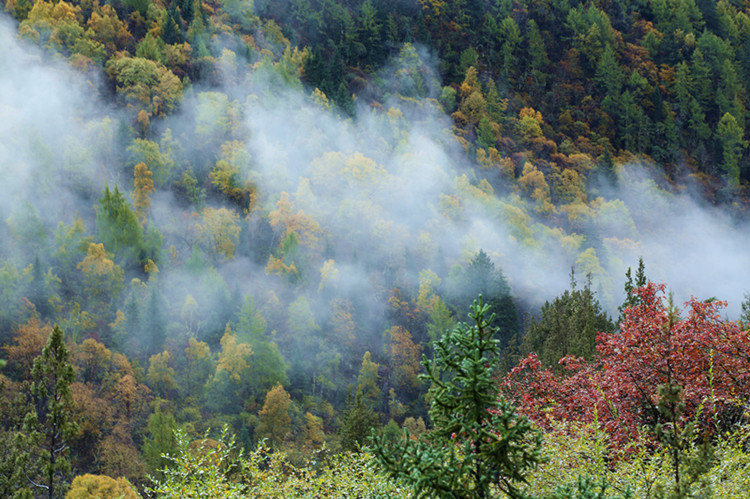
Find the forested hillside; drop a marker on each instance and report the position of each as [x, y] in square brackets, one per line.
[260, 215]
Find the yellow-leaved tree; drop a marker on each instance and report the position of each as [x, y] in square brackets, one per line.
[219, 231]
[145, 85]
[160, 375]
[234, 356]
[532, 181]
[103, 281]
[89, 486]
[286, 220]
[143, 187]
[275, 422]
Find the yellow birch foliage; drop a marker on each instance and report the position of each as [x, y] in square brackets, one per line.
[143, 186]
[355, 170]
[145, 84]
[490, 159]
[367, 381]
[415, 426]
[572, 190]
[533, 182]
[160, 375]
[198, 363]
[587, 264]
[530, 124]
[344, 326]
[405, 357]
[92, 359]
[92, 486]
[313, 434]
[428, 281]
[472, 106]
[126, 394]
[275, 422]
[119, 456]
[320, 99]
[196, 351]
[329, 275]
[286, 219]
[102, 277]
[227, 175]
[219, 231]
[92, 414]
[278, 267]
[106, 28]
[234, 356]
[55, 25]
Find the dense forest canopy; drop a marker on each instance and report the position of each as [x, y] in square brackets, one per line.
[262, 214]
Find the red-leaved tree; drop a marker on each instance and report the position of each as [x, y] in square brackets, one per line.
[707, 356]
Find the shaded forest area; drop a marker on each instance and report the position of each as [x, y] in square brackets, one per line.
[259, 216]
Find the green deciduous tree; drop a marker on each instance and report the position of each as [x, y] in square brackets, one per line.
[158, 157]
[143, 187]
[219, 232]
[102, 282]
[367, 382]
[54, 25]
[267, 367]
[405, 355]
[679, 438]
[478, 445]
[145, 85]
[198, 469]
[198, 366]
[160, 375]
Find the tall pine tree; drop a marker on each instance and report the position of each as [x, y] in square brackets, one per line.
[47, 428]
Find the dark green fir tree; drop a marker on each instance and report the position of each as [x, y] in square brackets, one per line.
[478, 446]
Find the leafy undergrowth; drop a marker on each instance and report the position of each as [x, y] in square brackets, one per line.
[576, 450]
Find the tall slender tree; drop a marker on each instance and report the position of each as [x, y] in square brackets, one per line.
[633, 299]
[47, 427]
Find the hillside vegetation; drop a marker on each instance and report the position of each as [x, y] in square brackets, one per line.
[264, 216]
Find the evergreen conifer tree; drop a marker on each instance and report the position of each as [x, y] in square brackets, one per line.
[632, 300]
[359, 421]
[567, 326]
[47, 428]
[478, 445]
